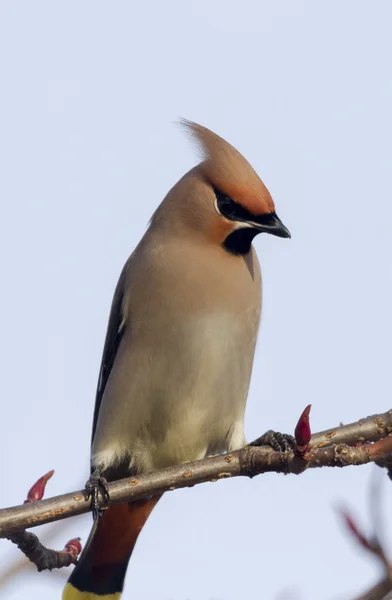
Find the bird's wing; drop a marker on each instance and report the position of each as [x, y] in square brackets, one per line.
[114, 334]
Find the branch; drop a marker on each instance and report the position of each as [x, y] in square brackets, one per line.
[248, 462]
[373, 546]
[370, 429]
[20, 566]
[29, 544]
[42, 557]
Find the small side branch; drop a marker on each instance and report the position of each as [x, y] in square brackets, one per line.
[42, 557]
[374, 547]
[29, 544]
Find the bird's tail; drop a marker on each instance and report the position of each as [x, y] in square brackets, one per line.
[101, 570]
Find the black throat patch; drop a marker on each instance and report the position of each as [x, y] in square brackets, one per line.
[239, 241]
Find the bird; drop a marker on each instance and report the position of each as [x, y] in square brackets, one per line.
[179, 347]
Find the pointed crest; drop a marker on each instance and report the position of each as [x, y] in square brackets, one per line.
[228, 171]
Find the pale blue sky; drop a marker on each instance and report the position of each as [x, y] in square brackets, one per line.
[89, 93]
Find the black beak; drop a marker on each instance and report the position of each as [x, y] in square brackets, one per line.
[270, 223]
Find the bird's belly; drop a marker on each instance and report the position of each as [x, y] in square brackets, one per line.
[179, 400]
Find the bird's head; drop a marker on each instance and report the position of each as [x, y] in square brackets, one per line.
[223, 197]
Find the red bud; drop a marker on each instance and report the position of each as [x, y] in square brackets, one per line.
[73, 547]
[302, 431]
[36, 492]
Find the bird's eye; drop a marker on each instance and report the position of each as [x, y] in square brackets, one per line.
[226, 206]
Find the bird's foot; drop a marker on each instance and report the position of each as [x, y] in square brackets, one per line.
[97, 483]
[280, 442]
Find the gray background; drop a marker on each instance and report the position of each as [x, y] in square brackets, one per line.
[89, 93]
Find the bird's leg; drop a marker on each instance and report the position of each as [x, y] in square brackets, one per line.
[95, 483]
[280, 442]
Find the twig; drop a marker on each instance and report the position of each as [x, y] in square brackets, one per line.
[42, 557]
[246, 462]
[20, 566]
[29, 544]
[373, 546]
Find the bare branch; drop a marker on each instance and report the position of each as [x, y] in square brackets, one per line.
[42, 557]
[21, 567]
[373, 546]
[380, 591]
[29, 544]
[370, 429]
[246, 462]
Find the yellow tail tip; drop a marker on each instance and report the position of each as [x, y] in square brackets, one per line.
[72, 593]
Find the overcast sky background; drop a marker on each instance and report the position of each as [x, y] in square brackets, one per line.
[88, 149]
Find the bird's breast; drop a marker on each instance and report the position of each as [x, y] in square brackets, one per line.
[179, 383]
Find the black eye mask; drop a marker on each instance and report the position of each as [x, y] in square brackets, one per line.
[235, 212]
[240, 240]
